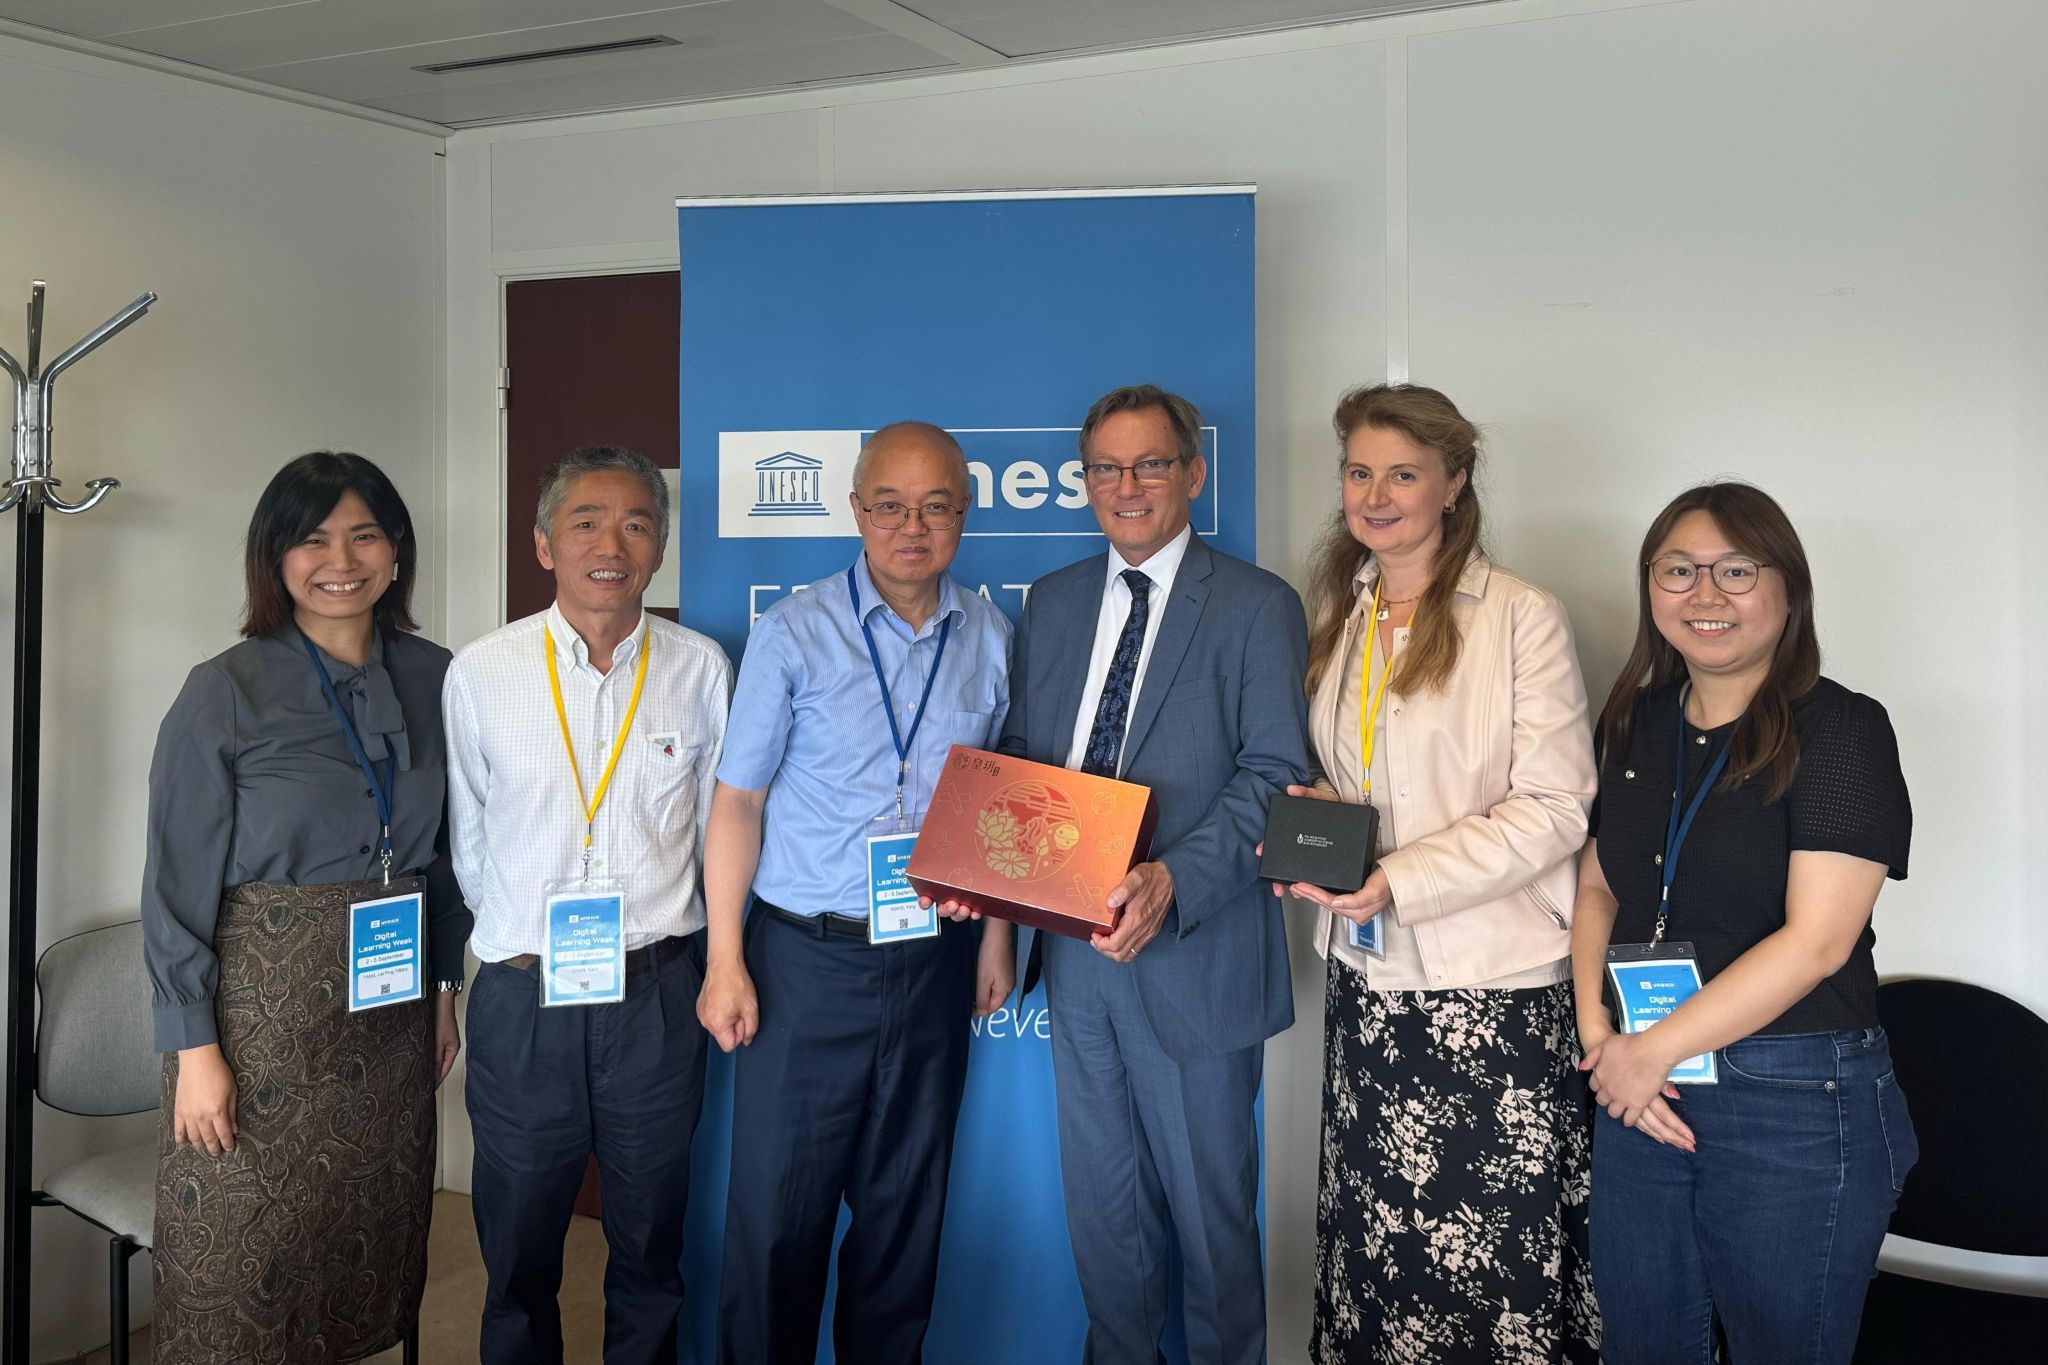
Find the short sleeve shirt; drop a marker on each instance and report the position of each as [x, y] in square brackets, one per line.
[808, 726]
[1848, 795]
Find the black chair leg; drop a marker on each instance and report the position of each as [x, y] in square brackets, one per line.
[412, 1346]
[118, 1252]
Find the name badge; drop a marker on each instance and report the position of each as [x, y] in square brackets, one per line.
[384, 951]
[894, 916]
[1369, 937]
[583, 961]
[1650, 981]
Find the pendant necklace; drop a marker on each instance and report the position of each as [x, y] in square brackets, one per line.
[1387, 605]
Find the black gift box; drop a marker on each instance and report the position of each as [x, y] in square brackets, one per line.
[1330, 844]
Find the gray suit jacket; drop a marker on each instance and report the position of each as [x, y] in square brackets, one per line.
[1219, 725]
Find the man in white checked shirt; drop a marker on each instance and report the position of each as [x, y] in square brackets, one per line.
[595, 772]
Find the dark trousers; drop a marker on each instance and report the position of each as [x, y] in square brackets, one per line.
[1773, 1226]
[849, 1089]
[547, 1088]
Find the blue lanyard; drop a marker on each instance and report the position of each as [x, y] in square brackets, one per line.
[1680, 825]
[896, 736]
[380, 783]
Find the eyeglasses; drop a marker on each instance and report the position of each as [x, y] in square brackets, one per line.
[1732, 574]
[1106, 475]
[936, 516]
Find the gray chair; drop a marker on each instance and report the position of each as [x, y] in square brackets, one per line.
[95, 1056]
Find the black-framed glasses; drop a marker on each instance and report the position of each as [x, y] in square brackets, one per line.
[1732, 574]
[891, 516]
[1103, 474]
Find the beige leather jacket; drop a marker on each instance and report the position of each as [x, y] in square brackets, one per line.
[1499, 765]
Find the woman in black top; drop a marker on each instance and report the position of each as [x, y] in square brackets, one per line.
[1758, 1197]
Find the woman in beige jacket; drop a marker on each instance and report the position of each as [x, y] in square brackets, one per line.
[1451, 1223]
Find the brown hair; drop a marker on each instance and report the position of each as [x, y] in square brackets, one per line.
[1764, 737]
[1181, 415]
[1433, 422]
[301, 496]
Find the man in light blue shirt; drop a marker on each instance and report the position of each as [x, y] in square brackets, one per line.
[853, 1036]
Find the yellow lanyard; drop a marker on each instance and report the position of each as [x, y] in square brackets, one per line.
[1368, 700]
[591, 803]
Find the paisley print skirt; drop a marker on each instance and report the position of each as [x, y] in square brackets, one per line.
[308, 1243]
[1457, 1151]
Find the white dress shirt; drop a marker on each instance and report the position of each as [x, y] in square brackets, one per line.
[516, 823]
[1109, 626]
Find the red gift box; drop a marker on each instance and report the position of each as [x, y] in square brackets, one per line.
[1030, 842]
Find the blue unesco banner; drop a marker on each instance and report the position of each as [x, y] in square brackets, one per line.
[808, 323]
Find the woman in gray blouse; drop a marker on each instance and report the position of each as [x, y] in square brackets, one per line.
[298, 1136]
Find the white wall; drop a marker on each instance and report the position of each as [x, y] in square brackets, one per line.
[298, 255]
[1800, 243]
[1798, 240]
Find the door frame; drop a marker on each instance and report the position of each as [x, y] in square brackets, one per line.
[476, 422]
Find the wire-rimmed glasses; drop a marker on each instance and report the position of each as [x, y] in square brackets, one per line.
[1732, 574]
[891, 516]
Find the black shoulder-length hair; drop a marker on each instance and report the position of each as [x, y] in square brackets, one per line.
[299, 498]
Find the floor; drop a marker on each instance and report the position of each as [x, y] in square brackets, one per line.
[455, 1292]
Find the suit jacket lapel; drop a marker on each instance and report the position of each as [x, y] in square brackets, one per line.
[1073, 638]
[1184, 605]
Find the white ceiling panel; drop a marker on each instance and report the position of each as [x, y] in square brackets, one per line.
[1160, 14]
[365, 51]
[101, 18]
[371, 77]
[1029, 28]
[249, 43]
[689, 78]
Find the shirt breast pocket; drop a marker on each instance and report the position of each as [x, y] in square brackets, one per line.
[665, 783]
[959, 727]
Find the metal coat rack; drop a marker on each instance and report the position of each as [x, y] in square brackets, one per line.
[31, 493]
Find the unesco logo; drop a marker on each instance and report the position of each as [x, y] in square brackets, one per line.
[788, 485]
[1027, 481]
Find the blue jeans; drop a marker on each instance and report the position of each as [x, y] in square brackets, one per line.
[1773, 1226]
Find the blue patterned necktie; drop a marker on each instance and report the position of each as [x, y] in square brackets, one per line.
[1106, 739]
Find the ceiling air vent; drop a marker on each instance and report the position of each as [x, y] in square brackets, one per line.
[547, 54]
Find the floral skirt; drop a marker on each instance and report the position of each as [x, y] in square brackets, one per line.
[1456, 1165]
[307, 1244]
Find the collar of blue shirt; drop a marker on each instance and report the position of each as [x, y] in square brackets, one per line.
[871, 601]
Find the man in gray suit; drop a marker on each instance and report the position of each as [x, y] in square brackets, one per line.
[1170, 664]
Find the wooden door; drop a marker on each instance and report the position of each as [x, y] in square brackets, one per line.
[591, 360]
